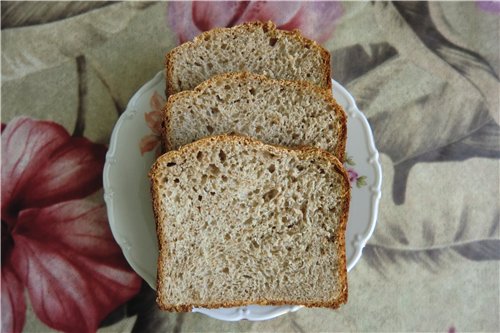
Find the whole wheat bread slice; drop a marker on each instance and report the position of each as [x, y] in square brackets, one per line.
[288, 113]
[252, 47]
[241, 222]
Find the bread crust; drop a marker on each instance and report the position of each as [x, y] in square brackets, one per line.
[270, 28]
[264, 80]
[308, 152]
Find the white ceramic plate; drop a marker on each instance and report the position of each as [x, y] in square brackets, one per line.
[126, 189]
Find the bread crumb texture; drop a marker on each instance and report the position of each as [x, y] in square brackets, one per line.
[242, 222]
[254, 47]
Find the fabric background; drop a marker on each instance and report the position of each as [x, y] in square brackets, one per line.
[426, 75]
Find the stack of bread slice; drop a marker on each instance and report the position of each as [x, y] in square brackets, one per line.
[251, 198]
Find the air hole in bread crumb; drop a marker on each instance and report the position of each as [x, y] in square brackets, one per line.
[252, 91]
[225, 270]
[227, 236]
[248, 222]
[200, 197]
[176, 180]
[210, 129]
[267, 154]
[330, 126]
[303, 209]
[222, 155]
[295, 136]
[227, 87]
[224, 178]
[258, 129]
[213, 169]
[199, 156]
[270, 195]
[271, 168]
[171, 164]
[210, 65]
[272, 41]
[214, 110]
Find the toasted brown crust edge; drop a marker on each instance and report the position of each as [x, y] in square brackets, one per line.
[307, 151]
[250, 26]
[242, 76]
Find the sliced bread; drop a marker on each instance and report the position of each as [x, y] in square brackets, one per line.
[242, 222]
[288, 113]
[253, 47]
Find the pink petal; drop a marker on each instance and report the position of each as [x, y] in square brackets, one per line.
[353, 175]
[156, 102]
[211, 14]
[489, 6]
[42, 164]
[153, 120]
[180, 20]
[73, 171]
[13, 303]
[277, 11]
[188, 19]
[148, 143]
[74, 271]
[316, 20]
[26, 145]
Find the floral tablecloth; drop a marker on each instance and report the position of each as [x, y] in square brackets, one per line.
[426, 75]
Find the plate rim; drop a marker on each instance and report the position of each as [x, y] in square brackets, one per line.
[242, 313]
[374, 160]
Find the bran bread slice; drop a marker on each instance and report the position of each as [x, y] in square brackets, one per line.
[241, 222]
[289, 113]
[252, 47]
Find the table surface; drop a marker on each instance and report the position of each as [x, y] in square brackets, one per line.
[426, 75]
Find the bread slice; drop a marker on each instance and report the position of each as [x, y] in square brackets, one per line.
[253, 47]
[242, 222]
[289, 113]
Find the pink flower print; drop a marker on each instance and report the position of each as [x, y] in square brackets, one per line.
[353, 175]
[56, 245]
[153, 120]
[489, 6]
[315, 19]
